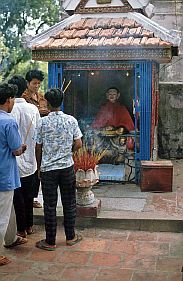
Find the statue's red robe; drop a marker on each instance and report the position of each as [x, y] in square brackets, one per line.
[113, 114]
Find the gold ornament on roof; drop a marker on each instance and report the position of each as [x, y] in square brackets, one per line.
[104, 1]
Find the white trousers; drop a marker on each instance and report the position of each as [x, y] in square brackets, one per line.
[7, 218]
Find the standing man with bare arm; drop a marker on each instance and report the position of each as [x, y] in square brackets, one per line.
[57, 135]
[10, 146]
[32, 95]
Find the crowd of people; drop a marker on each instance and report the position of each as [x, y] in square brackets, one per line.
[36, 143]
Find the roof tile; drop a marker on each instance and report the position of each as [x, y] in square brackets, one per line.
[118, 23]
[137, 41]
[107, 32]
[164, 43]
[81, 33]
[94, 32]
[125, 32]
[90, 23]
[125, 41]
[143, 40]
[45, 45]
[78, 24]
[147, 33]
[111, 41]
[153, 41]
[68, 33]
[103, 23]
[83, 42]
[70, 43]
[97, 42]
[129, 22]
[57, 43]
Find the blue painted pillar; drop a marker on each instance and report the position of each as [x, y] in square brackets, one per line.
[55, 74]
[144, 90]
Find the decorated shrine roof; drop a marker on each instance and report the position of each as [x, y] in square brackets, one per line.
[103, 32]
[106, 36]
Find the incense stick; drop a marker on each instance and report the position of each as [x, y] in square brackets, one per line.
[28, 130]
[67, 86]
[63, 82]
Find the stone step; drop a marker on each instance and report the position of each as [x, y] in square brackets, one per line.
[126, 220]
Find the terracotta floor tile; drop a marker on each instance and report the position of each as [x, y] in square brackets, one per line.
[8, 277]
[176, 250]
[169, 264]
[136, 262]
[33, 278]
[105, 259]
[142, 236]
[76, 257]
[73, 273]
[127, 247]
[153, 248]
[42, 255]
[150, 276]
[47, 270]
[94, 245]
[114, 275]
[170, 237]
[16, 266]
[176, 276]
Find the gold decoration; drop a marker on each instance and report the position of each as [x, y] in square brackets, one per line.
[103, 9]
[104, 1]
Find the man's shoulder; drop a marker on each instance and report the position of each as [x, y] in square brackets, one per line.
[32, 107]
[25, 106]
[69, 117]
[10, 120]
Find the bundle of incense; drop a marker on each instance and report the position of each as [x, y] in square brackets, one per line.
[28, 130]
[67, 86]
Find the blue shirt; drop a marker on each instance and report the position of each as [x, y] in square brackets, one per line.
[56, 132]
[9, 141]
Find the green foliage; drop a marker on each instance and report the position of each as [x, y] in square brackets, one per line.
[19, 18]
[4, 53]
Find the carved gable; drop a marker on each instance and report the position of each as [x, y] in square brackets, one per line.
[103, 6]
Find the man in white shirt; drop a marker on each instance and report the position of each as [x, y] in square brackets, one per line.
[27, 116]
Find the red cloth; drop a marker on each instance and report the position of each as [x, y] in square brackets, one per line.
[113, 114]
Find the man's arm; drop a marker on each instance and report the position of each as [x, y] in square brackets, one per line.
[20, 150]
[38, 155]
[77, 144]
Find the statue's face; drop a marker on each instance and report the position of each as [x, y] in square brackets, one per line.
[112, 95]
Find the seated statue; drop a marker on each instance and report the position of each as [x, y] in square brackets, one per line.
[112, 118]
[112, 114]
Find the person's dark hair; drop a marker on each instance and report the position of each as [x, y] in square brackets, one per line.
[7, 91]
[54, 97]
[20, 82]
[112, 88]
[35, 73]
